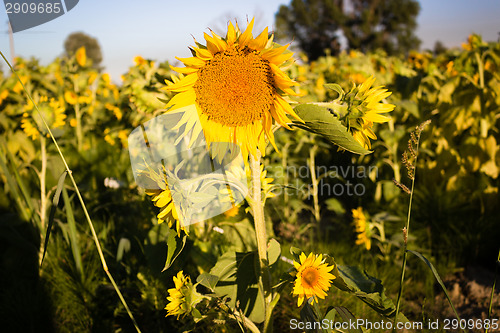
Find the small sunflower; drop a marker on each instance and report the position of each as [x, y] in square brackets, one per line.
[313, 277]
[366, 108]
[81, 56]
[52, 111]
[237, 86]
[70, 97]
[232, 212]
[162, 198]
[362, 228]
[183, 297]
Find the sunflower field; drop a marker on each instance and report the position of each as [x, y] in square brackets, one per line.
[364, 196]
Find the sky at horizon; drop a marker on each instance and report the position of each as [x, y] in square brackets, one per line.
[161, 30]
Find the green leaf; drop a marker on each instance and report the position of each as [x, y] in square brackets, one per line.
[208, 280]
[437, 277]
[320, 120]
[330, 314]
[346, 316]
[335, 87]
[307, 315]
[367, 288]
[55, 202]
[273, 251]
[72, 232]
[123, 246]
[174, 247]
[335, 205]
[238, 280]
[295, 252]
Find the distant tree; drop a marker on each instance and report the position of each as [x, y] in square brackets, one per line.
[365, 24]
[315, 24]
[439, 47]
[78, 39]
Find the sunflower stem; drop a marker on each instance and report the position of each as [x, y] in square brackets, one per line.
[77, 191]
[78, 116]
[43, 190]
[261, 235]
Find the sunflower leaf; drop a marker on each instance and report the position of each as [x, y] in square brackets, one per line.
[319, 120]
[346, 316]
[337, 88]
[55, 202]
[367, 288]
[238, 279]
[273, 251]
[174, 246]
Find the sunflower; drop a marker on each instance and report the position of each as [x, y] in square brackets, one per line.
[237, 86]
[362, 227]
[161, 196]
[81, 56]
[183, 297]
[366, 108]
[313, 278]
[52, 111]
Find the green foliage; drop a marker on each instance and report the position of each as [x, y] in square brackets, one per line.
[366, 25]
[455, 204]
[321, 120]
[76, 40]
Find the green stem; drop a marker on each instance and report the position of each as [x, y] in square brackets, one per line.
[406, 234]
[258, 210]
[87, 216]
[261, 235]
[78, 116]
[315, 182]
[493, 289]
[43, 174]
[43, 196]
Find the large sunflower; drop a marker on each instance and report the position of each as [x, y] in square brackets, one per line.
[237, 86]
[313, 277]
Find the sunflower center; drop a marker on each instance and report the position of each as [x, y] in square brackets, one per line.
[310, 277]
[235, 88]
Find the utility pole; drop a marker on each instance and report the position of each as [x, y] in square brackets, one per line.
[11, 40]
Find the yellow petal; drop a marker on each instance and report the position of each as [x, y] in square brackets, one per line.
[184, 70]
[184, 84]
[192, 62]
[247, 35]
[260, 42]
[231, 34]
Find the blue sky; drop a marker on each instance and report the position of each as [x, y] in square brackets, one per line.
[161, 30]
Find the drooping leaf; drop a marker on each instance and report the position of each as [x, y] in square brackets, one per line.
[174, 247]
[319, 120]
[295, 252]
[273, 251]
[337, 88]
[437, 277]
[307, 315]
[123, 246]
[208, 280]
[72, 232]
[367, 288]
[347, 316]
[55, 202]
[238, 280]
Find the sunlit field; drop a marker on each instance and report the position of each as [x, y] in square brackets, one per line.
[370, 186]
